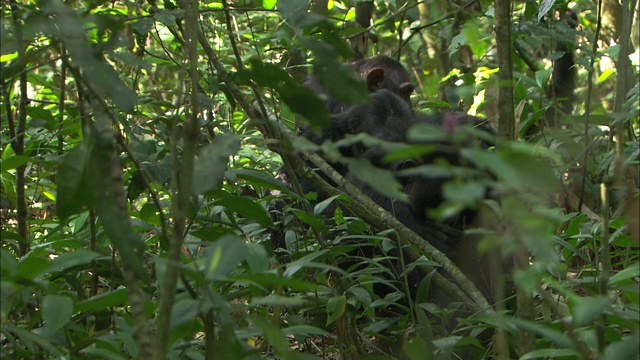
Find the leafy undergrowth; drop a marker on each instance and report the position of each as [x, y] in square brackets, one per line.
[142, 217]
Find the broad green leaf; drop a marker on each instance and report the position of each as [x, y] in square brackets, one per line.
[323, 205]
[267, 280]
[33, 265]
[73, 194]
[542, 78]
[553, 335]
[261, 179]
[446, 344]
[67, 25]
[273, 334]
[380, 180]
[518, 167]
[269, 4]
[211, 234]
[627, 348]
[102, 301]
[33, 342]
[300, 99]
[335, 308]
[150, 214]
[70, 259]
[13, 162]
[246, 207]
[8, 262]
[279, 300]
[41, 117]
[309, 219]
[212, 162]
[632, 271]
[257, 258]
[416, 348]
[224, 255]
[56, 312]
[184, 319]
[586, 309]
[111, 353]
[552, 354]
[526, 279]
[308, 261]
[464, 192]
[304, 330]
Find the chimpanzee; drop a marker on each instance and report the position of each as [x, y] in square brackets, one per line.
[379, 72]
[563, 82]
[446, 149]
[385, 116]
[424, 192]
[388, 117]
[563, 78]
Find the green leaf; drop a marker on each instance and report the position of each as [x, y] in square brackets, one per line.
[33, 342]
[416, 348]
[336, 307]
[586, 309]
[517, 166]
[68, 26]
[184, 319]
[304, 330]
[33, 265]
[551, 334]
[307, 261]
[269, 4]
[8, 261]
[257, 258]
[464, 192]
[73, 193]
[309, 219]
[261, 179]
[225, 254]
[212, 161]
[247, 207]
[628, 273]
[41, 117]
[267, 280]
[552, 354]
[13, 162]
[102, 301]
[279, 300]
[337, 78]
[274, 336]
[324, 204]
[300, 99]
[71, 259]
[627, 348]
[380, 180]
[542, 78]
[56, 312]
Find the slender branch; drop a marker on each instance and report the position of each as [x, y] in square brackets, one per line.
[182, 190]
[17, 142]
[587, 105]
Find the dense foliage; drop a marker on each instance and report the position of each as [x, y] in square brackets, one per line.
[140, 143]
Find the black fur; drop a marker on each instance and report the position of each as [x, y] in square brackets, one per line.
[389, 117]
[563, 78]
[379, 72]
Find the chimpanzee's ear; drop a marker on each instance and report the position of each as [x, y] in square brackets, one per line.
[375, 77]
[406, 90]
